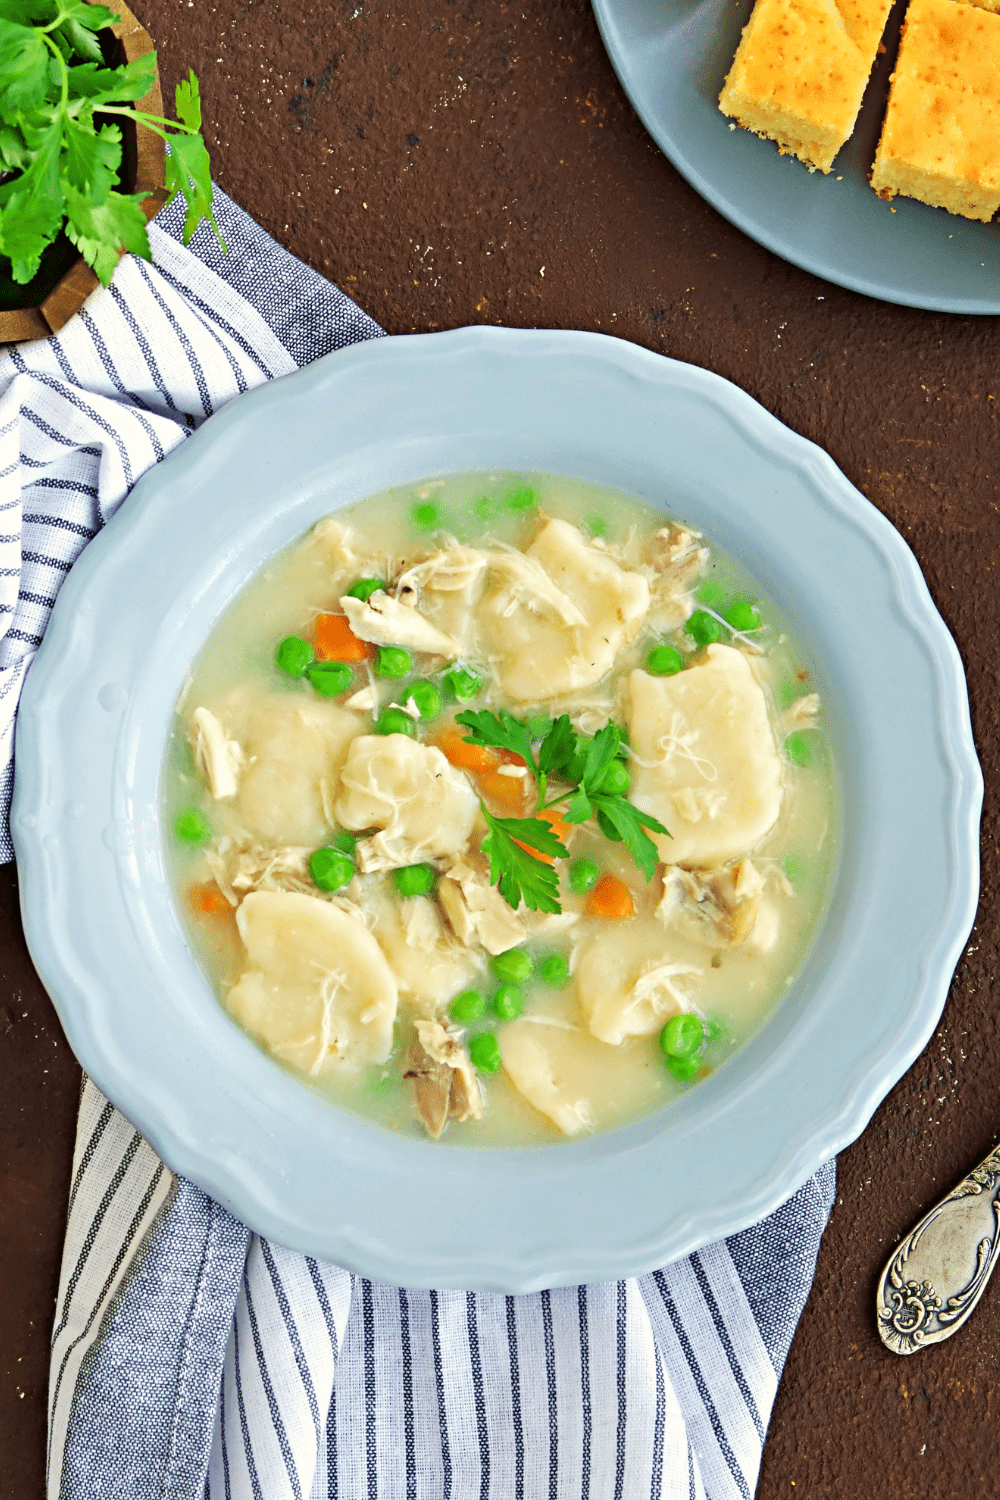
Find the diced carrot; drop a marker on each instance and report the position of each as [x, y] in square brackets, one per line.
[561, 829]
[209, 899]
[610, 897]
[336, 641]
[507, 791]
[466, 757]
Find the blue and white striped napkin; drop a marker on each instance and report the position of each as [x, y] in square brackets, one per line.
[192, 1359]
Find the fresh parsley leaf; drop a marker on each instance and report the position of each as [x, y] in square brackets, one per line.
[579, 809]
[113, 85]
[101, 231]
[81, 39]
[600, 753]
[91, 17]
[501, 731]
[520, 875]
[558, 747]
[29, 12]
[187, 102]
[629, 823]
[14, 152]
[24, 67]
[90, 158]
[32, 213]
[188, 171]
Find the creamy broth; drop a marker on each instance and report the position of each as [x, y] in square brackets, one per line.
[527, 581]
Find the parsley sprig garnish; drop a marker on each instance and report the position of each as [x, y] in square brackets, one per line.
[58, 165]
[581, 764]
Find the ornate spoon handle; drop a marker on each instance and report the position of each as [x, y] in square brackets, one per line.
[936, 1276]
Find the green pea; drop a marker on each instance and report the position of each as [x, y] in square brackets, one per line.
[466, 1007]
[512, 967]
[584, 875]
[714, 1032]
[427, 697]
[295, 656]
[485, 1053]
[789, 689]
[522, 498]
[799, 748]
[330, 678]
[365, 587]
[415, 880]
[682, 1035]
[615, 780]
[598, 526]
[393, 661]
[426, 515]
[485, 508]
[684, 1068]
[712, 594]
[192, 827]
[794, 867]
[331, 869]
[462, 682]
[554, 968]
[703, 628]
[508, 1002]
[743, 616]
[345, 841]
[664, 661]
[395, 721]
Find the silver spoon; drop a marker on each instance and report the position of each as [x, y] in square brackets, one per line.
[937, 1274]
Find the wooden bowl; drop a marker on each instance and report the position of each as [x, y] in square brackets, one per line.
[143, 156]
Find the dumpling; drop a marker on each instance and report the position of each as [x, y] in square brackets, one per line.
[559, 614]
[293, 745]
[627, 984]
[316, 989]
[547, 1064]
[704, 759]
[424, 807]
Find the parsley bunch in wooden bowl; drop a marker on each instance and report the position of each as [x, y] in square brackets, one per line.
[65, 96]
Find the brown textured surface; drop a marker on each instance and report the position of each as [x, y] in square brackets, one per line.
[432, 158]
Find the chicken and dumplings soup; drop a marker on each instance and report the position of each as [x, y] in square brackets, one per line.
[500, 808]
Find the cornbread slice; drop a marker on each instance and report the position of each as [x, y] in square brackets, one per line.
[941, 138]
[800, 72]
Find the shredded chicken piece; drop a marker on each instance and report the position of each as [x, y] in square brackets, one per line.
[245, 865]
[451, 570]
[718, 908]
[802, 714]
[421, 923]
[384, 621]
[444, 1081]
[476, 910]
[529, 584]
[219, 759]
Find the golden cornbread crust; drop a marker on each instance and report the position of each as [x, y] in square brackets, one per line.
[800, 72]
[940, 141]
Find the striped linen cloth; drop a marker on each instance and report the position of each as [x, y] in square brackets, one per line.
[192, 1360]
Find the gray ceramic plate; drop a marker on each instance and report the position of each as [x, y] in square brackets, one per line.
[672, 57]
[100, 919]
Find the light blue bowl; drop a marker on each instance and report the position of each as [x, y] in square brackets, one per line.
[106, 938]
